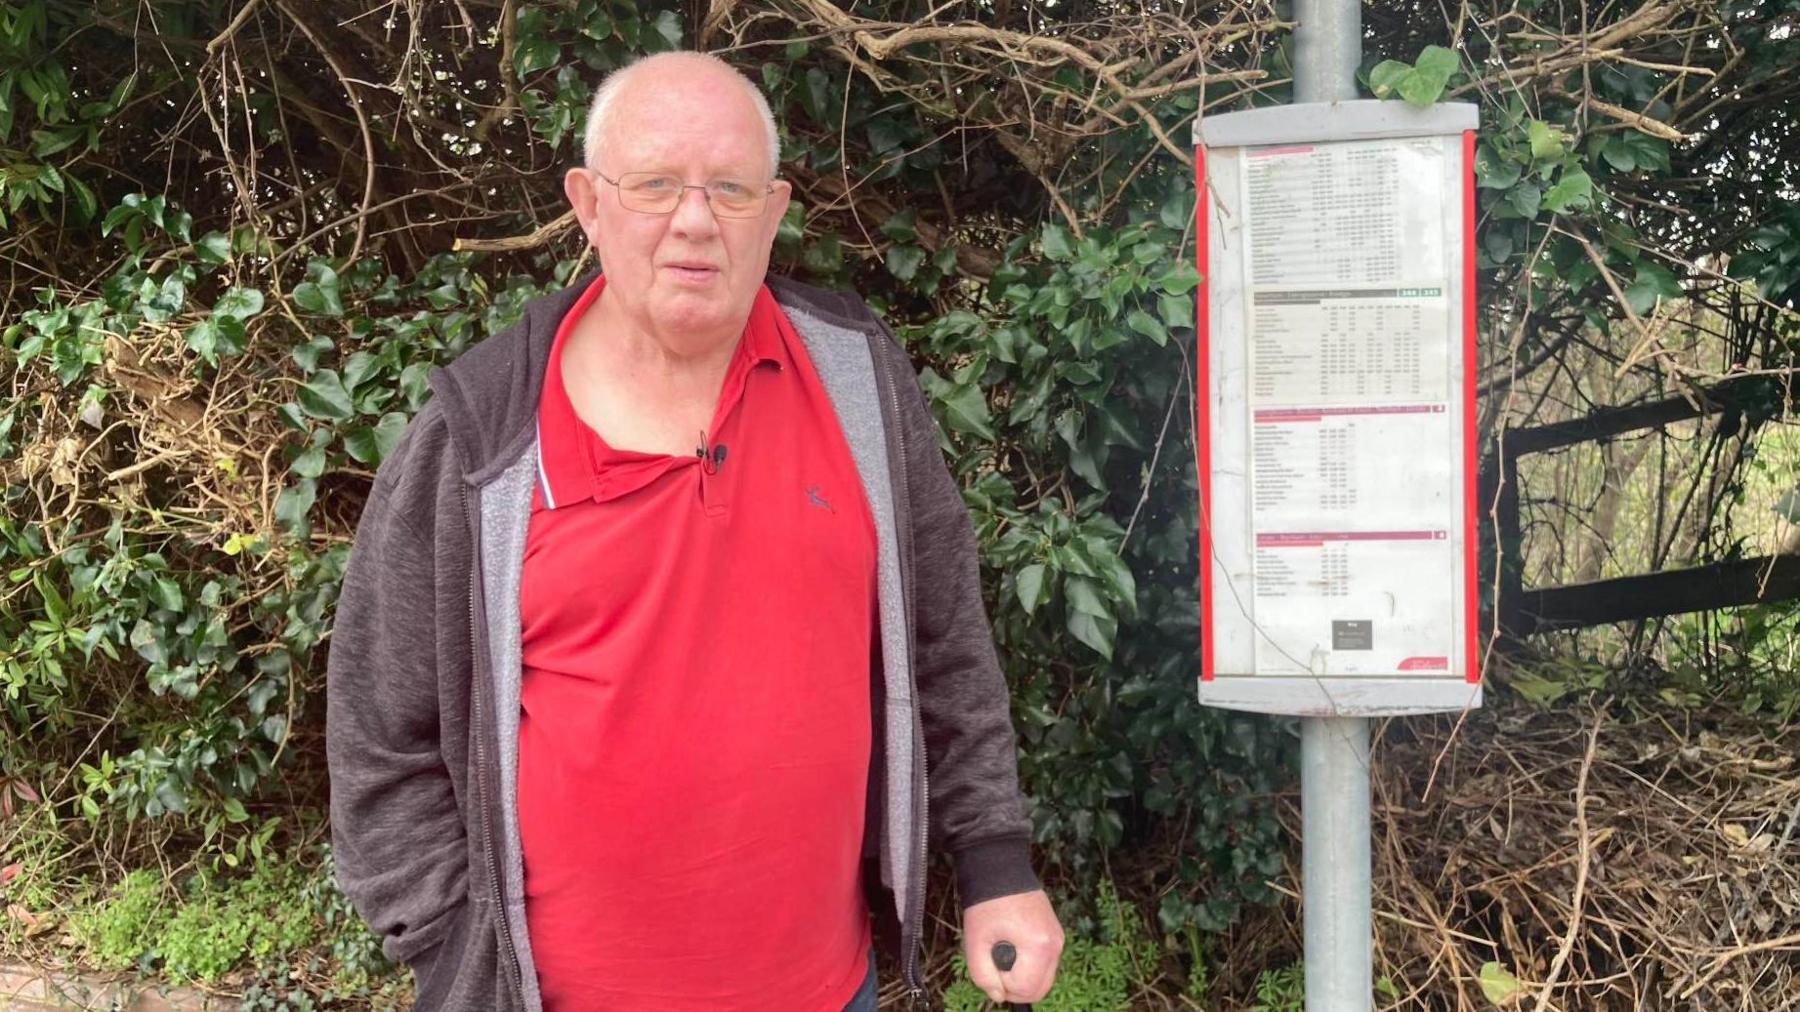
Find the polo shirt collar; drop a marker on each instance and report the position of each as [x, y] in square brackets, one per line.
[572, 457]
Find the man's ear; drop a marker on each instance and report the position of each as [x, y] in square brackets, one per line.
[582, 188]
[780, 193]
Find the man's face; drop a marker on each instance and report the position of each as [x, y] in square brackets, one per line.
[687, 277]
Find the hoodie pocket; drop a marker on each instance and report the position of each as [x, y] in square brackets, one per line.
[462, 973]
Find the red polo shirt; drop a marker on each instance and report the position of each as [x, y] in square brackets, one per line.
[694, 735]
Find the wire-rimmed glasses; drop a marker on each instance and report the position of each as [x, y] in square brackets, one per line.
[660, 193]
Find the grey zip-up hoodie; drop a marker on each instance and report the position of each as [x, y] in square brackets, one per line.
[423, 672]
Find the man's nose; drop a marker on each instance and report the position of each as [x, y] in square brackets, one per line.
[693, 215]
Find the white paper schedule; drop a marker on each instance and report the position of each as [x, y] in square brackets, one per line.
[1343, 215]
[1350, 346]
[1350, 437]
[1356, 581]
[1331, 468]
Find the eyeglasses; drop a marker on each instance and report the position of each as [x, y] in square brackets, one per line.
[660, 193]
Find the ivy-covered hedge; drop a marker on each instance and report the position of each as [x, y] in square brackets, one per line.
[240, 233]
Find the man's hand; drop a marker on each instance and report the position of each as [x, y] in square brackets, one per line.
[1027, 921]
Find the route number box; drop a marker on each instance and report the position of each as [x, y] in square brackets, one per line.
[1336, 422]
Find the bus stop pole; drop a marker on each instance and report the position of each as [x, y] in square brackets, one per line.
[1334, 751]
[1334, 802]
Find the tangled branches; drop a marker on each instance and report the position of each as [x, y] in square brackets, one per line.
[1607, 859]
[1047, 93]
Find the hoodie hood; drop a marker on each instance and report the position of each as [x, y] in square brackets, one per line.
[489, 432]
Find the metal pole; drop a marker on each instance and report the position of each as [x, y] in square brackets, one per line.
[1327, 49]
[1334, 799]
[1334, 751]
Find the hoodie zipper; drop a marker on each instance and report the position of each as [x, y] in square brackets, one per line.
[481, 771]
[915, 899]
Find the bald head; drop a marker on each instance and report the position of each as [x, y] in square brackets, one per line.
[652, 74]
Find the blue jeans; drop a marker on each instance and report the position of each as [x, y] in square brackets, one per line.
[864, 998]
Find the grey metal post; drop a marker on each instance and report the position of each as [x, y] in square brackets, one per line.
[1334, 751]
[1327, 49]
[1334, 789]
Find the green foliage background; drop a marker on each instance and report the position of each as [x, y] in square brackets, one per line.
[238, 235]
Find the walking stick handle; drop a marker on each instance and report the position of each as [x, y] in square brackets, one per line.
[1004, 955]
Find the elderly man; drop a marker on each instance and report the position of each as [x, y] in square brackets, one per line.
[661, 654]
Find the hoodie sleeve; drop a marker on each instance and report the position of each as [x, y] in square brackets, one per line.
[977, 810]
[396, 828]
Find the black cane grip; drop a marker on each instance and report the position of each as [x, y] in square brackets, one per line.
[1004, 956]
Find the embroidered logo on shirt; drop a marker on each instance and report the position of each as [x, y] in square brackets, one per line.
[813, 496]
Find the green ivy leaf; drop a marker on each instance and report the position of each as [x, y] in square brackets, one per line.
[1179, 279]
[165, 593]
[902, 227]
[1093, 630]
[241, 303]
[1546, 141]
[1030, 586]
[1652, 282]
[816, 96]
[214, 248]
[1430, 74]
[903, 261]
[1176, 310]
[1618, 153]
[85, 201]
[294, 503]
[1148, 326]
[1497, 984]
[1526, 198]
[1055, 243]
[1493, 172]
[324, 396]
[306, 355]
[668, 28]
[1574, 190]
[1084, 596]
[257, 699]
[126, 211]
[216, 336]
[1117, 575]
[1438, 61]
[310, 463]
[171, 796]
[1650, 153]
[966, 410]
[534, 55]
[180, 225]
[1386, 76]
[885, 134]
[371, 444]
[1498, 245]
[145, 641]
[415, 384]
[321, 296]
[1178, 211]
[358, 369]
[45, 143]
[165, 301]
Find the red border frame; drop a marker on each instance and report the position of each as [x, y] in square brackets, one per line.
[1203, 415]
[1203, 408]
[1471, 592]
